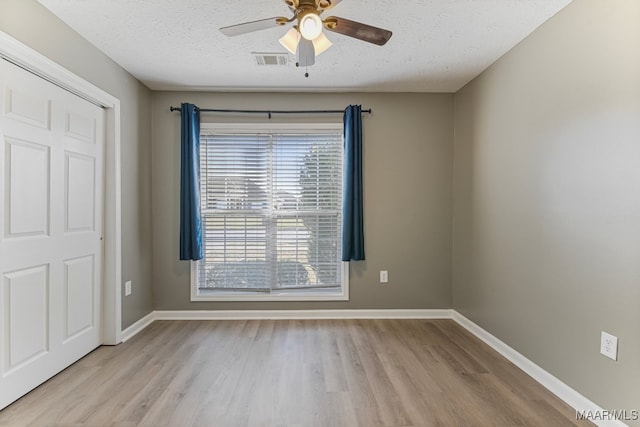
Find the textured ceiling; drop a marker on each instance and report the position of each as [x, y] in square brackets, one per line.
[437, 45]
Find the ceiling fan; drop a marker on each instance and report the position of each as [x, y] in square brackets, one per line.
[306, 37]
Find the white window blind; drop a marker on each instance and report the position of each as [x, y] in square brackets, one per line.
[271, 208]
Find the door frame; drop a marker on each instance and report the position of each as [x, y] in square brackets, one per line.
[25, 57]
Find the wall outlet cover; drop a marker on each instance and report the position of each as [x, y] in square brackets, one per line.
[127, 288]
[609, 345]
[384, 276]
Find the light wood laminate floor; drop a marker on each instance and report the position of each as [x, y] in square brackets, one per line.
[293, 373]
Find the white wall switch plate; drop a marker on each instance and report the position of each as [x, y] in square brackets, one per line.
[609, 345]
[384, 276]
[127, 288]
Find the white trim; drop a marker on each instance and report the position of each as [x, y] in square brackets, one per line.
[112, 286]
[22, 55]
[570, 396]
[138, 326]
[141, 324]
[300, 314]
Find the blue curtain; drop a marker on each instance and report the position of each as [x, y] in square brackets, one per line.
[190, 221]
[352, 217]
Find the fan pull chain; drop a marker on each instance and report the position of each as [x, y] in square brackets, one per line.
[306, 69]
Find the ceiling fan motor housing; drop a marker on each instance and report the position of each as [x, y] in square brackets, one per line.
[316, 4]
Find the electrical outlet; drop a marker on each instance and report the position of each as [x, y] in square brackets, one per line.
[384, 276]
[127, 288]
[609, 345]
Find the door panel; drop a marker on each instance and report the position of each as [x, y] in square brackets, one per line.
[81, 127]
[80, 197]
[33, 109]
[27, 188]
[27, 336]
[52, 157]
[78, 289]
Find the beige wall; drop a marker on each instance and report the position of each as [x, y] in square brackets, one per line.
[547, 198]
[407, 179]
[35, 26]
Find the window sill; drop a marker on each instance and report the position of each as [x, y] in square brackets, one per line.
[310, 295]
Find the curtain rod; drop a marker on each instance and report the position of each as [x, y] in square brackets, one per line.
[269, 112]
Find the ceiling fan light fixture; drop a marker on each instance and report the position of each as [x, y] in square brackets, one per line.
[310, 26]
[290, 40]
[306, 53]
[321, 43]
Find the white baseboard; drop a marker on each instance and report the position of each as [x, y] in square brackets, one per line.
[138, 326]
[301, 314]
[550, 382]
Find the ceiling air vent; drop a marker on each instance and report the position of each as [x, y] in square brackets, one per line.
[265, 58]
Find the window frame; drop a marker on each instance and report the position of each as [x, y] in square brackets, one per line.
[341, 294]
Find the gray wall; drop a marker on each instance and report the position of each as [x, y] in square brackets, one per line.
[546, 185]
[35, 26]
[408, 144]
[547, 198]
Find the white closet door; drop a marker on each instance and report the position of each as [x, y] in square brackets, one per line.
[51, 205]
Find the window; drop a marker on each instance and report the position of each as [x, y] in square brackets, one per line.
[271, 202]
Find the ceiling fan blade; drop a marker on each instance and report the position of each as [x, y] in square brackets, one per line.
[249, 27]
[357, 30]
[306, 53]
